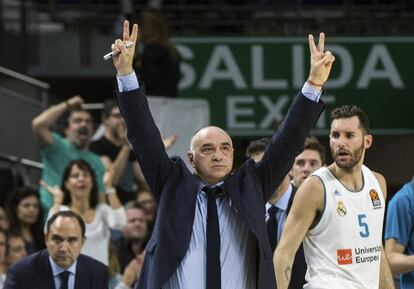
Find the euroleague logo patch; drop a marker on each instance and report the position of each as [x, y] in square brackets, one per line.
[376, 202]
[344, 256]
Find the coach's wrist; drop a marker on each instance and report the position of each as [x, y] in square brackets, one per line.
[124, 71]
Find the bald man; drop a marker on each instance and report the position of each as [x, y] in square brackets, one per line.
[210, 231]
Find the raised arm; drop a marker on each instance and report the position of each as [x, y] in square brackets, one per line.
[288, 140]
[142, 133]
[42, 124]
[309, 199]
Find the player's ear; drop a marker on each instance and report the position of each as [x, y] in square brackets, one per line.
[367, 141]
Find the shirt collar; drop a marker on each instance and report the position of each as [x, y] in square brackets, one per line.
[203, 184]
[283, 202]
[56, 269]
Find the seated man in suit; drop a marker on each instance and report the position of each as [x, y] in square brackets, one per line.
[210, 231]
[60, 266]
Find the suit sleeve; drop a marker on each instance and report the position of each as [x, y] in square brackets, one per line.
[145, 139]
[12, 281]
[287, 142]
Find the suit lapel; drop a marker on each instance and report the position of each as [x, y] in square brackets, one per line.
[231, 188]
[45, 276]
[81, 278]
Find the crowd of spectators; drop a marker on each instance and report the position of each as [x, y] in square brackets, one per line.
[100, 181]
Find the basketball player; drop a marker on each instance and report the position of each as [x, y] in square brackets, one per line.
[338, 213]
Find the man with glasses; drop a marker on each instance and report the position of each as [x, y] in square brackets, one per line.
[115, 151]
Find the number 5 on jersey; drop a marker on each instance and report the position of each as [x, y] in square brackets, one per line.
[364, 233]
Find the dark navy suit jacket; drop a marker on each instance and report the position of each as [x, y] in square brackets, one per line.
[35, 272]
[175, 188]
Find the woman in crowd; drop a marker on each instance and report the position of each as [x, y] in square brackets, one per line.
[79, 193]
[25, 218]
[159, 61]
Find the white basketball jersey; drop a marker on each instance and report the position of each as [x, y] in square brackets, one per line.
[344, 249]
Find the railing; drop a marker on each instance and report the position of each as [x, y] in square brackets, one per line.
[38, 85]
[16, 160]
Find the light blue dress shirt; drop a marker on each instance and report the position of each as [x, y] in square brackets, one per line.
[282, 204]
[237, 250]
[56, 270]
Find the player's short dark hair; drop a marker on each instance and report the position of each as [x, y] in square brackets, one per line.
[348, 111]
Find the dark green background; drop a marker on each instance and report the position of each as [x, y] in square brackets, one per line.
[390, 110]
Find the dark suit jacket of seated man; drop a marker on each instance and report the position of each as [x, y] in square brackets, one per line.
[41, 269]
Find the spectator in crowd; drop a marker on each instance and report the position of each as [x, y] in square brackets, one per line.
[3, 263]
[61, 265]
[146, 200]
[115, 151]
[222, 240]
[26, 218]
[399, 239]
[130, 248]
[134, 234]
[338, 213]
[158, 63]
[131, 273]
[57, 152]
[15, 249]
[277, 210]
[114, 269]
[79, 193]
[311, 159]
[4, 220]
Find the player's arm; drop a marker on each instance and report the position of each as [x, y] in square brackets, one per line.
[398, 260]
[309, 199]
[386, 281]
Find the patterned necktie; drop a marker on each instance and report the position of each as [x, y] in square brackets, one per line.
[213, 272]
[272, 227]
[64, 277]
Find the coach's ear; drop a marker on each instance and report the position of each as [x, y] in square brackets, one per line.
[367, 141]
[190, 156]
